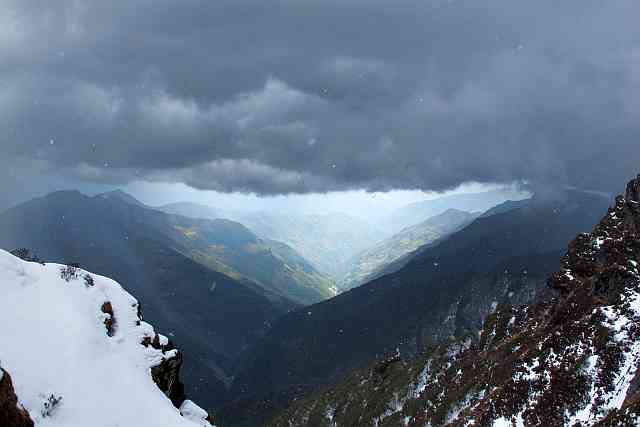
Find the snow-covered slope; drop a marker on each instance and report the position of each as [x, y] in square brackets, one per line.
[78, 353]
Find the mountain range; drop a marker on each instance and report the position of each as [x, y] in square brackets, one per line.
[199, 276]
[327, 241]
[417, 212]
[231, 248]
[568, 359]
[444, 293]
[266, 342]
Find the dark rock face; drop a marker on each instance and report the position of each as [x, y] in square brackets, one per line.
[166, 375]
[570, 359]
[11, 414]
[633, 192]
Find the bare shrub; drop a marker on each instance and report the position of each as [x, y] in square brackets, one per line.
[50, 405]
[88, 281]
[69, 272]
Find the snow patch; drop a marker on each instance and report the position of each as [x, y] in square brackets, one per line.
[620, 322]
[504, 422]
[194, 413]
[494, 306]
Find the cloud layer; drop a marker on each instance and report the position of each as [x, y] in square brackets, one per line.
[278, 97]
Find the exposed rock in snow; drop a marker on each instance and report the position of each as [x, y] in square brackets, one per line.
[80, 355]
[194, 413]
[11, 413]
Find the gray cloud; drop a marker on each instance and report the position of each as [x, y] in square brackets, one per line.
[279, 97]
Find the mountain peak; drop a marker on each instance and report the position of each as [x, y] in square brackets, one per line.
[65, 194]
[632, 194]
[122, 196]
[608, 251]
[454, 211]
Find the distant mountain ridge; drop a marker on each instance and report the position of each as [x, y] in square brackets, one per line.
[379, 260]
[192, 210]
[231, 248]
[327, 241]
[418, 212]
[121, 196]
[507, 206]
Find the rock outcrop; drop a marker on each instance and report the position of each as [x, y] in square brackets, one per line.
[166, 374]
[11, 413]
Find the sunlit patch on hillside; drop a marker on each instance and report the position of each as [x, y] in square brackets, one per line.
[188, 232]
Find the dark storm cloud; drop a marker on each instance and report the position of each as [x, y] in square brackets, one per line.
[290, 96]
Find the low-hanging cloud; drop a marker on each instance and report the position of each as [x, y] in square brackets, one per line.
[279, 97]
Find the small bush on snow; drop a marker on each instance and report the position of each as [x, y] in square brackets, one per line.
[26, 255]
[88, 280]
[69, 272]
[50, 405]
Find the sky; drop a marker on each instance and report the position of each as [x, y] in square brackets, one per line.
[291, 97]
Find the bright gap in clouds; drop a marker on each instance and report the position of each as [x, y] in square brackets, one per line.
[358, 203]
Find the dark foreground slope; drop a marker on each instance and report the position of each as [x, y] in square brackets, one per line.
[213, 317]
[571, 359]
[443, 294]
